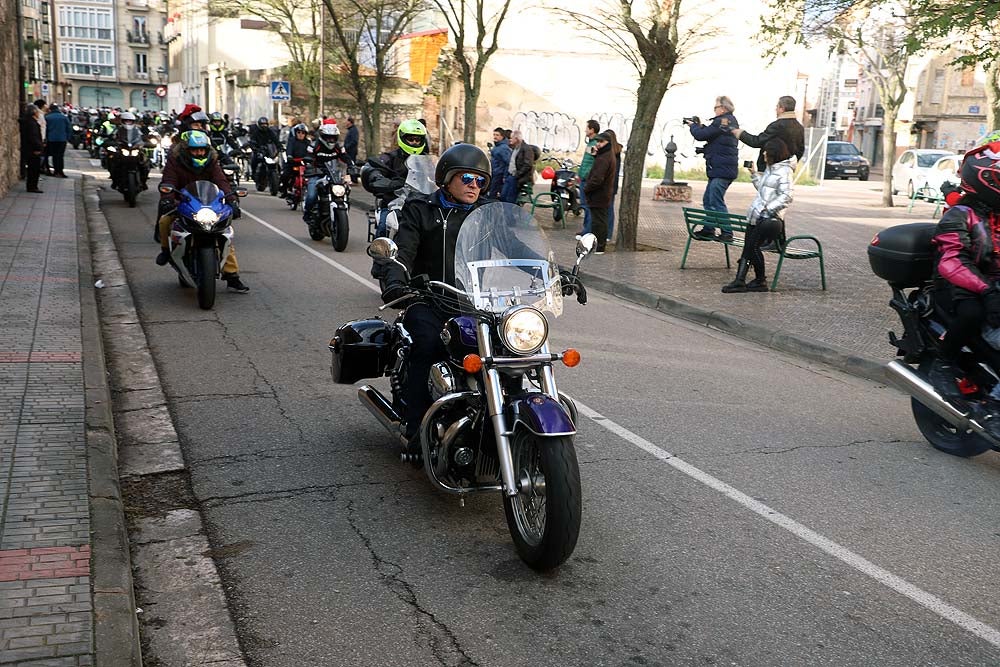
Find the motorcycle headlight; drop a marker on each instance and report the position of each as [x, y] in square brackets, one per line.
[338, 190]
[76, 128]
[206, 217]
[153, 141]
[524, 329]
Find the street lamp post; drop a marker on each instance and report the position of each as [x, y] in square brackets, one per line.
[96, 71]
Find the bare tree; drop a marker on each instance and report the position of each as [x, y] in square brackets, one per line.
[364, 35]
[297, 22]
[649, 41]
[875, 33]
[472, 49]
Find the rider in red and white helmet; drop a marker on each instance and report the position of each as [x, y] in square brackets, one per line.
[967, 261]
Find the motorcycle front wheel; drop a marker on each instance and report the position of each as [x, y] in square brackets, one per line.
[942, 435]
[131, 188]
[208, 262]
[272, 181]
[544, 517]
[340, 230]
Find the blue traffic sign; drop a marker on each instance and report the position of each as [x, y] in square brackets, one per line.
[281, 91]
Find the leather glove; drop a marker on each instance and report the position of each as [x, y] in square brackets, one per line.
[991, 303]
[393, 291]
[572, 285]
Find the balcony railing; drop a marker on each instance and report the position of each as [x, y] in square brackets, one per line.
[136, 37]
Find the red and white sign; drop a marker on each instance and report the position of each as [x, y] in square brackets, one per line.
[161, 91]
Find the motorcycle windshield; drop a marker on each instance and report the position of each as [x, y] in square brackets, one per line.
[503, 259]
[420, 173]
[205, 192]
[133, 136]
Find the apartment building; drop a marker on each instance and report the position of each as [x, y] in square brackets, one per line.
[112, 52]
[37, 48]
[950, 107]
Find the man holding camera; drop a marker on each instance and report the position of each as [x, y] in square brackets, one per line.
[721, 151]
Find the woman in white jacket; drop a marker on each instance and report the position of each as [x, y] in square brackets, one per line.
[765, 217]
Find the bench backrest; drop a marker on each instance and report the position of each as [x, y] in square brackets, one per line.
[697, 216]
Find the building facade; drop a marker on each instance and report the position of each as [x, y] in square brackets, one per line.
[950, 107]
[112, 53]
[37, 48]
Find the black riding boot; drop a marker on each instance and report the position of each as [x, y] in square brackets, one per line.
[739, 283]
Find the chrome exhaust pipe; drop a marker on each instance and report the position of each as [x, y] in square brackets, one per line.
[903, 377]
[383, 411]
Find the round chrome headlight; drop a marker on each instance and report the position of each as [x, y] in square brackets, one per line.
[206, 217]
[338, 190]
[524, 329]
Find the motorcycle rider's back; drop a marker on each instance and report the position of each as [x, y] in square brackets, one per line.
[967, 263]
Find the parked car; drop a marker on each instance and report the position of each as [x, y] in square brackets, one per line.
[946, 169]
[910, 173]
[844, 160]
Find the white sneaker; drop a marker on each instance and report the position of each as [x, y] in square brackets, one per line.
[577, 237]
[598, 252]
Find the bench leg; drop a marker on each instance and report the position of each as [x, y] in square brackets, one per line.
[726, 246]
[686, 248]
[822, 270]
[777, 271]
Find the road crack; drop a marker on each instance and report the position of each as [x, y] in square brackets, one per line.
[430, 631]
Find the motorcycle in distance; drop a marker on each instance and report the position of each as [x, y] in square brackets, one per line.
[498, 423]
[200, 236]
[297, 188]
[127, 157]
[564, 184]
[268, 169]
[333, 201]
[161, 148]
[76, 138]
[967, 421]
[419, 181]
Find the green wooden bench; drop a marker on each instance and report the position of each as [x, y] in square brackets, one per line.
[549, 199]
[929, 194]
[730, 222]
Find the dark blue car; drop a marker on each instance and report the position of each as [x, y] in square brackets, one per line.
[844, 160]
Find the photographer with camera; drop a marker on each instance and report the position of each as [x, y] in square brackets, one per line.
[721, 151]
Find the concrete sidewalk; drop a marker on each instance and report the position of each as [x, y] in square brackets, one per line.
[845, 326]
[65, 581]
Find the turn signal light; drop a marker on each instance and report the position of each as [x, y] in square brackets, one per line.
[571, 357]
[472, 363]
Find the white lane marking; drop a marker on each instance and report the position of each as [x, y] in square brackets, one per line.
[337, 265]
[881, 575]
[841, 553]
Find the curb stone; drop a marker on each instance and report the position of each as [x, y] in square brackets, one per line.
[189, 589]
[769, 336]
[116, 627]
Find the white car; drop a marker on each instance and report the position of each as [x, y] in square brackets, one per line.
[910, 173]
[946, 169]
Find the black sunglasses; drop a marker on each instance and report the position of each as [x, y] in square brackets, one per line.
[469, 179]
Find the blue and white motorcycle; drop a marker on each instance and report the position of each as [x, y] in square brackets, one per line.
[200, 236]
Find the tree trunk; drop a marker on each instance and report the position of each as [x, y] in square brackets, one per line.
[889, 155]
[993, 96]
[652, 87]
[471, 102]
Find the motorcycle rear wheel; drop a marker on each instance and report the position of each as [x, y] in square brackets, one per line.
[544, 518]
[942, 435]
[315, 233]
[340, 229]
[208, 262]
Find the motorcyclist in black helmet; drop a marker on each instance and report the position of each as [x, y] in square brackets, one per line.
[261, 135]
[297, 146]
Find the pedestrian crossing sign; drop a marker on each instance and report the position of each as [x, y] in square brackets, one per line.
[281, 91]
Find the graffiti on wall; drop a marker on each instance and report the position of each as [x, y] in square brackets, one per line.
[550, 131]
[615, 121]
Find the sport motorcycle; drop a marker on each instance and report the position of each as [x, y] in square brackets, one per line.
[498, 423]
[330, 217]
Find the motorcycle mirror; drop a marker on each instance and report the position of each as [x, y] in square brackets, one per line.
[586, 244]
[166, 189]
[242, 192]
[383, 248]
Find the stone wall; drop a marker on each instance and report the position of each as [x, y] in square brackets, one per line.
[10, 148]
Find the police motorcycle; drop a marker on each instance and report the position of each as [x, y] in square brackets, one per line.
[564, 184]
[419, 181]
[200, 236]
[498, 423]
[127, 158]
[330, 217]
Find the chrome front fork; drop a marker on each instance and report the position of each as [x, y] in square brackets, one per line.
[494, 403]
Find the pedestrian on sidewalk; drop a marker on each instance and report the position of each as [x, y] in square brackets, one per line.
[31, 146]
[722, 152]
[499, 163]
[786, 127]
[616, 151]
[765, 217]
[591, 131]
[521, 170]
[58, 132]
[600, 189]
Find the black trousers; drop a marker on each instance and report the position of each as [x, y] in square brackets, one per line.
[33, 164]
[57, 150]
[599, 225]
[752, 253]
[967, 317]
[424, 325]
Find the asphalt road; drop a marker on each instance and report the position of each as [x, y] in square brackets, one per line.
[800, 503]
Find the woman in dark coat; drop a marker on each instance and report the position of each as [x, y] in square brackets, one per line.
[31, 146]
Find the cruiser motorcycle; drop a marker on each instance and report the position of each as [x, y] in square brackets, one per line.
[964, 422]
[498, 423]
[200, 236]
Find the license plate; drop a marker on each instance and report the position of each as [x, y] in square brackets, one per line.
[850, 171]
